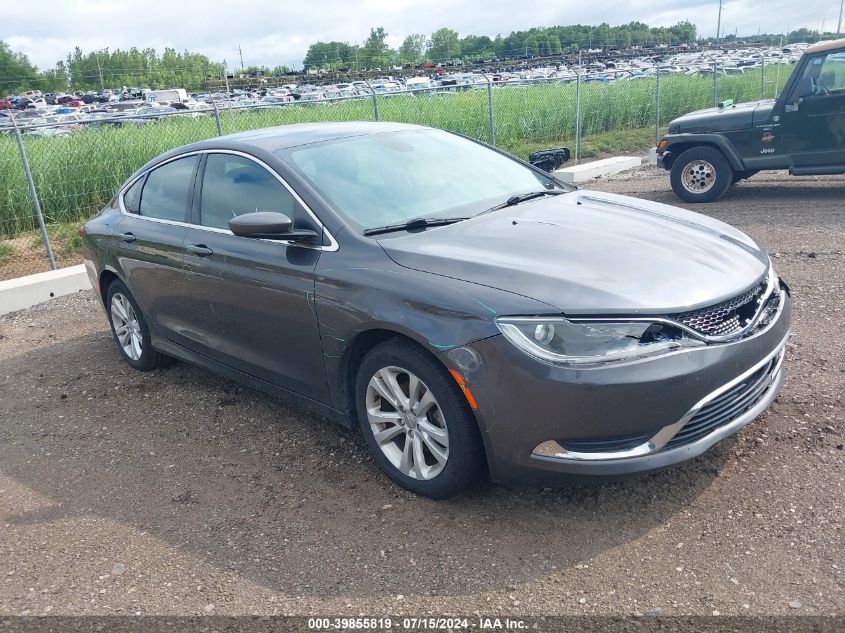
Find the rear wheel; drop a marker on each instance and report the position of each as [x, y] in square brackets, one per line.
[416, 421]
[130, 330]
[701, 174]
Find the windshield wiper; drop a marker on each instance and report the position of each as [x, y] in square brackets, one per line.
[416, 223]
[524, 197]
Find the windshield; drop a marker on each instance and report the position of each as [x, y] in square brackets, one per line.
[391, 178]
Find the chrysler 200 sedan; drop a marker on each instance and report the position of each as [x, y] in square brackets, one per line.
[463, 308]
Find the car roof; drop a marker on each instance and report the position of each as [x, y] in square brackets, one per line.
[828, 45]
[286, 136]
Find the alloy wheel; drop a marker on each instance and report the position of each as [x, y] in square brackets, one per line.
[127, 327]
[698, 176]
[407, 423]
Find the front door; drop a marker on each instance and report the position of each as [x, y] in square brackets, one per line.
[252, 300]
[813, 127]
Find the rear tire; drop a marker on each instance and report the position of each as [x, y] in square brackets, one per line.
[416, 421]
[130, 330]
[701, 174]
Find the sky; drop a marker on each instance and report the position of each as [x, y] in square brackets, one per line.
[270, 32]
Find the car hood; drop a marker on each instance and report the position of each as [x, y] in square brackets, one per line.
[591, 253]
[741, 116]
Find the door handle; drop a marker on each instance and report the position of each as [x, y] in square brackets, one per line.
[200, 249]
[126, 237]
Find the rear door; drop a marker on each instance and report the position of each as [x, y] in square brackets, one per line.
[150, 237]
[252, 300]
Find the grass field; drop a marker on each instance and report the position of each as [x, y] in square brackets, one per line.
[76, 175]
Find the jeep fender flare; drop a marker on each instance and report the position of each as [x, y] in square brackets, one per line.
[678, 143]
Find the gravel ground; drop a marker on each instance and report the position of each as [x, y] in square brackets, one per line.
[177, 492]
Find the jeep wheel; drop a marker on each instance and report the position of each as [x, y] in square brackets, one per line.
[701, 174]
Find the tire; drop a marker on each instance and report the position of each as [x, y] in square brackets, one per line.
[133, 342]
[701, 174]
[447, 427]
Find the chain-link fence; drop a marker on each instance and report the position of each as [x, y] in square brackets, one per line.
[54, 174]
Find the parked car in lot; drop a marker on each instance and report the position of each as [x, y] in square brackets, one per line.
[803, 130]
[462, 308]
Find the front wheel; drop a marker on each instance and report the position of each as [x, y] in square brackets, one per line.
[701, 174]
[416, 421]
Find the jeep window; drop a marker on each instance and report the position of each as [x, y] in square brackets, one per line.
[827, 73]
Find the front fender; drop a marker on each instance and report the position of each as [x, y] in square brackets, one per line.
[678, 143]
[439, 313]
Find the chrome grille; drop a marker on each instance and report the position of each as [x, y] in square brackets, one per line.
[722, 319]
[606, 444]
[728, 406]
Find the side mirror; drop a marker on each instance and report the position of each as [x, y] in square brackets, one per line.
[549, 159]
[268, 225]
[804, 88]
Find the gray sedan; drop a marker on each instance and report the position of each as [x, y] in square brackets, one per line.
[465, 310]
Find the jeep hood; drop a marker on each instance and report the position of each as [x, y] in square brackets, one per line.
[591, 253]
[741, 116]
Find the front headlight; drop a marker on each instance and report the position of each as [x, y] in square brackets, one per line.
[558, 340]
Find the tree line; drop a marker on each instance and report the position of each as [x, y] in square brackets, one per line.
[107, 69]
[446, 45]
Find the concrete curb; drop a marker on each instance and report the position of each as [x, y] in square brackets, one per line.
[23, 292]
[587, 171]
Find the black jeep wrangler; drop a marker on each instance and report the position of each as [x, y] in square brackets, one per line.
[803, 130]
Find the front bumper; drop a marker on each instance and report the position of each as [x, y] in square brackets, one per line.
[527, 409]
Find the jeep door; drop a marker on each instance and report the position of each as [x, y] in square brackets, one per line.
[813, 126]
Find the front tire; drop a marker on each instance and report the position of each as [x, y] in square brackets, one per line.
[130, 330]
[701, 174]
[416, 421]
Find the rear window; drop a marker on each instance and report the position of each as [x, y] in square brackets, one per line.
[132, 197]
[167, 190]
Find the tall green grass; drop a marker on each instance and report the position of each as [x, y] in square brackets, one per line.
[76, 175]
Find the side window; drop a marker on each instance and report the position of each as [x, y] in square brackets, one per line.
[167, 191]
[132, 197]
[832, 75]
[826, 73]
[233, 185]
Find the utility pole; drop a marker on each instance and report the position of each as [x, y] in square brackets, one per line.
[100, 70]
[241, 53]
[719, 23]
[839, 25]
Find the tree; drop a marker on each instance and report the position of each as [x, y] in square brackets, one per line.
[444, 45]
[413, 49]
[376, 53]
[331, 55]
[16, 72]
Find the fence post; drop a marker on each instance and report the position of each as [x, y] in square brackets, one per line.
[578, 112]
[657, 109]
[715, 89]
[34, 195]
[375, 101]
[492, 136]
[217, 117]
[762, 77]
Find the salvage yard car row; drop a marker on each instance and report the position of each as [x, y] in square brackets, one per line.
[62, 113]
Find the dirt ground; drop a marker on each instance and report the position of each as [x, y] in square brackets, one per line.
[177, 492]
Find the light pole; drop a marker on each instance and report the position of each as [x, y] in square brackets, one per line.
[719, 23]
[839, 25]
